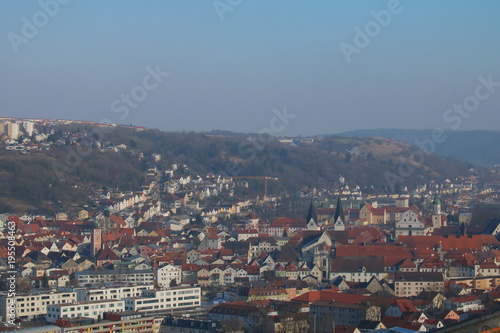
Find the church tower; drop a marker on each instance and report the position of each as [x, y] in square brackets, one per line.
[95, 242]
[436, 212]
[339, 213]
[312, 218]
[311, 214]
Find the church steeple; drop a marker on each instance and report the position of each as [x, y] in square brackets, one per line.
[311, 214]
[339, 212]
[436, 212]
[436, 205]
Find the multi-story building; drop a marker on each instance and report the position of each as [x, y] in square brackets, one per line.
[94, 309]
[114, 322]
[12, 130]
[44, 329]
[34, 305]
[161, 300]
[358, 269]
[463, 303]
[373, 214]
[100, 277]
[108, 292]
[408, 284]
[165, 274]
[243, 316]
[29, 127]
[412, 224]
[324, 314]
[261, 244]
[180, 325]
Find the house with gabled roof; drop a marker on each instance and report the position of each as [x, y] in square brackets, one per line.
[261, 244]
[209, 240]
[106, 256]
[399, 264]
[463, 303]
[399, 307]
[373, 214]
[358, 269]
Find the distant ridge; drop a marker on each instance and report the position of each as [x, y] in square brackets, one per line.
[30, 183]
[478, 147]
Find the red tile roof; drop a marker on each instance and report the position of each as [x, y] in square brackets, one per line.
[329, 295]
[474, 242]
[373, 250]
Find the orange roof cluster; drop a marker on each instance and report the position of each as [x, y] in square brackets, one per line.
[474, 242]
[285, 222]
[373, 250]
[330, 295]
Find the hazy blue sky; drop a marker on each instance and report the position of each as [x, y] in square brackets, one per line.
[231, 73]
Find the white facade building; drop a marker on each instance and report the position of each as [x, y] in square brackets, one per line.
[86, 309]
[108, 292]
[100, 277]
[28, 127]
[12, 130]
[31, 306]
[412, 224]
[165, 274]
[158, 300]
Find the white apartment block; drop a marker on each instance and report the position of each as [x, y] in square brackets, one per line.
[167, 273]
[109, 292]
[29, 127]
[107, 276]
[158, 300]
[86, 309]
[32, 306]
[142, 324]
[12, 130]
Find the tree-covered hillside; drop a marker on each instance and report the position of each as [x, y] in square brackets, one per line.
[28, 182]
[478, 147]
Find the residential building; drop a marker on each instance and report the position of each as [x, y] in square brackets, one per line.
[408, 284]
[261, 244]
[109, 292]
[95, 309]
[463, 303]
[323, 314]
[34, 305]
[242, 316]
[28, 127]
[100, 277]
[358, 269]
[12, 130]
[181, 325]
[372, 214]
[166, 274]
[161, 300]
[114, 322]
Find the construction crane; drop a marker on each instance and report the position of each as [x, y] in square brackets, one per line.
[265, 178]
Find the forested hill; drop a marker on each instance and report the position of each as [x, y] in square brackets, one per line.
[28, 181]
[480, 147]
